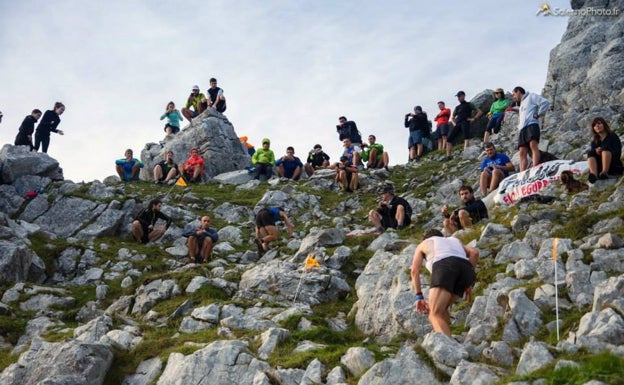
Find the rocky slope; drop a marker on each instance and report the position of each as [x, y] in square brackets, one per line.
[84, 304]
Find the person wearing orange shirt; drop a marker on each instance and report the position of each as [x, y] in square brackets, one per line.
[193, 168]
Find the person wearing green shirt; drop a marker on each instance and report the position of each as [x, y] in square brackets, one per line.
[194, 101]
[263, 160]
[496, 114]
[373, 154]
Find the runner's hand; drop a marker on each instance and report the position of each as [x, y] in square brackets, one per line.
[422, 307]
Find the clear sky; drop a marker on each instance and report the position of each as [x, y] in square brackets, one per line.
[289, 69]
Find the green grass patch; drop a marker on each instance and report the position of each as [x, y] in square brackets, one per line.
[605, 367]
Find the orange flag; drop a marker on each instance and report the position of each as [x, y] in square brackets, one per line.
[310, 262]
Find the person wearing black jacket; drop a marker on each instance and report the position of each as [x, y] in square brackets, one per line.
[347, 129]
[48, 124]
[24, 136]
[144, 226]
[418, 125]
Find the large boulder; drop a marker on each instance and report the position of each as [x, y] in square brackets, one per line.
[17, 161]
[216, 139]
[585, 77]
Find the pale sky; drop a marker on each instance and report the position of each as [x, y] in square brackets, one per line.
[289, 69]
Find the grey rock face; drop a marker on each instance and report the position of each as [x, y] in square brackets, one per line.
[17, 161]
[357, 360]
[385, 305]
[278, 281]
[468, 373]
[67, 215]
[18, 263]
[216, 139]
[154, 292]
[535, 355]
[220, 363]
[67, 363]
[146, 372]
[403, 369]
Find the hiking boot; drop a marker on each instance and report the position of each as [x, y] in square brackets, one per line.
[603, 176]
[592, 178]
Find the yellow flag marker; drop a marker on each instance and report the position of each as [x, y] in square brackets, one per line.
[311, 262]
[181, 182]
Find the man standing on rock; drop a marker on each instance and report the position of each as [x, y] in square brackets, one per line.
[452, 267]
[462, 117]
[201, 240]
[532, 107]
[144, 226]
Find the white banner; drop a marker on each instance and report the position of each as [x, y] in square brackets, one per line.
[532, 181]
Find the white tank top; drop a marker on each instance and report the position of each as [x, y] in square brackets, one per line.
[443, 248]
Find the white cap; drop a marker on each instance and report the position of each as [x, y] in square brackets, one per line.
[195, 87]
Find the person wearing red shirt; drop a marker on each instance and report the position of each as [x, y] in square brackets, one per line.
[193, 168]
[442, 126]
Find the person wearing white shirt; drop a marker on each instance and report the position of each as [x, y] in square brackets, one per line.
[532, 107]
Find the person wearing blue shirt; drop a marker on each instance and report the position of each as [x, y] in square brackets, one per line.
[495, 167]
[128, 168]
[289, 165]
[201, 241]
[173, 119]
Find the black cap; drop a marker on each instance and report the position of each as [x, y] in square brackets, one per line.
[418, 108]
[387, 189]
[317, 146]
[460, 93]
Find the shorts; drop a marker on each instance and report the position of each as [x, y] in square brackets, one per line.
[414, 138]
[443, 129]
[463, 127]
[527, 134]
[453, 274]
[494, 124]
[388, 221]
[264, 218]
[174, 129]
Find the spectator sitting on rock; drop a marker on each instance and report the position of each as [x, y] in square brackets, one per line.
[266, 229]
[373, 154]
[496, 114]
[144, 227]
[193, 168]
[201, 241]
[452, 267]
[346, 175]
[317, 159]
[173, 119]
[128, 168]
[194, 101]
[603, 158]
[289, 166]
[495, 167]
[263, 160]
[353, 152]
[215, 99]
[473, 211]
[166, 170]
[24, 135]
[392, 212]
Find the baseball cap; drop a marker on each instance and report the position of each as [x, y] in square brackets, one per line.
[500, 90]
[266, 140]
[460, 93]
[317, 146]
[418, 108]
[195, 87]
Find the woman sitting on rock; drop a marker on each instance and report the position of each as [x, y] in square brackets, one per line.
[603, 159]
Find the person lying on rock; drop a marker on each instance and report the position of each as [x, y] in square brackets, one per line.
[266, 230]
[452, 267]
[144, 227]
[201, 241]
